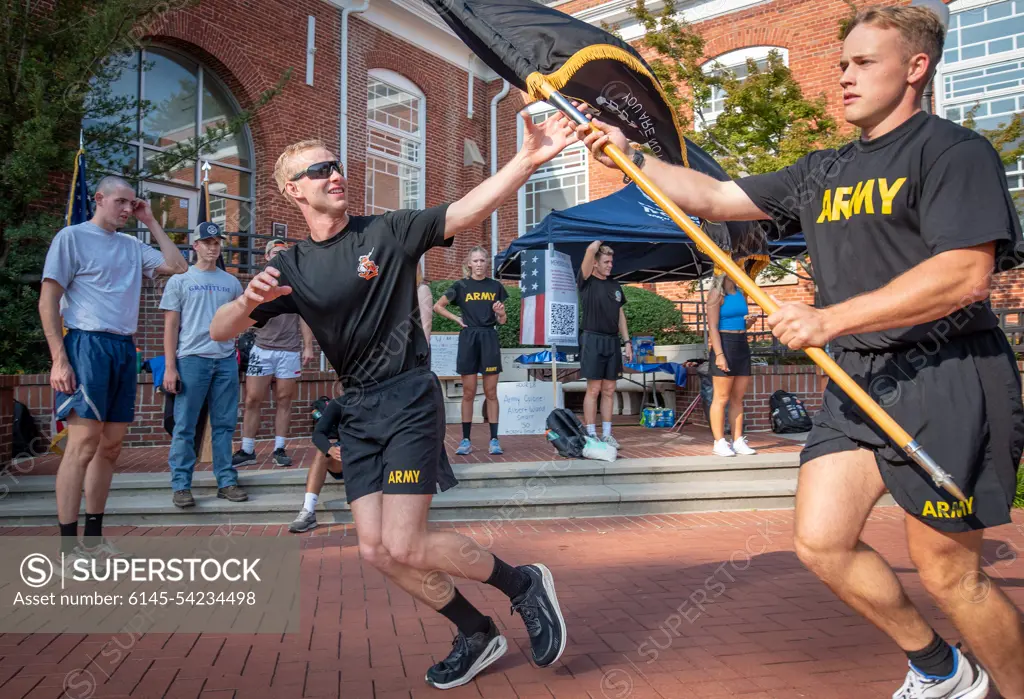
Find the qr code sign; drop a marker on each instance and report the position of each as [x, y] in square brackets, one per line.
[563, 319]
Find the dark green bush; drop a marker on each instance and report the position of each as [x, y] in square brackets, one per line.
[647, 313]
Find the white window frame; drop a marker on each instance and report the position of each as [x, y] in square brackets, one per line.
[400, 82]
[941, 72]
[584, 168]
[734, 59]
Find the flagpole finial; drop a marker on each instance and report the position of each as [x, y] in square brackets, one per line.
[206, 170]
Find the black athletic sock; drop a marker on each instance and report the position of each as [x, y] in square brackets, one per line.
[465, 616]
[936, 659]
[494, 430]
[93, 529]
[466, 426]
[511, 581]
[68, 536]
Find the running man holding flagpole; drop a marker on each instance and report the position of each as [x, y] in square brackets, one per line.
[904, 226]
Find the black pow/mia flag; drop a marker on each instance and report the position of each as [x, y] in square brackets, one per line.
[528, 44]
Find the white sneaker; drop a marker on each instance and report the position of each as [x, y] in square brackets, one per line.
[722, 448]
[968, 681]
[740, 447]
[611, 441]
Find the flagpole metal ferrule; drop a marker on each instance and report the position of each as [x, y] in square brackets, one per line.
[725, 262]
[942, 479]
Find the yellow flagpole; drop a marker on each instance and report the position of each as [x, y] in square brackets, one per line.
[726, 263]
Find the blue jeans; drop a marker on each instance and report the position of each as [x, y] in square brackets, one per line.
[202, 379]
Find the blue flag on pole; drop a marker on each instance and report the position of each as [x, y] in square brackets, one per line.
[80, 204]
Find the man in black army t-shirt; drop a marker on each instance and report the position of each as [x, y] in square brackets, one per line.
[354, 284]
[904, 228]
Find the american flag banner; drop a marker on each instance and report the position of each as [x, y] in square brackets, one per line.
[533, 286]
[550, 310]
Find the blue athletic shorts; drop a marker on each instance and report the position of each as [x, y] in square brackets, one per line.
[105, 377]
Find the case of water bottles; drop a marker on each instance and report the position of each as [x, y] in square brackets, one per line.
[657, 417]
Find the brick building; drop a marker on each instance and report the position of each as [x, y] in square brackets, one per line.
[417, 119]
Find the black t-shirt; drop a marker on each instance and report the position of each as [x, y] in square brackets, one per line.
[357, 293]
[477, 299]
[872, 210]
[601, 300]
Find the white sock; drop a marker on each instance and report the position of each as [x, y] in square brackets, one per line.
[310, 503]
[606, 428]
[278, 442]
[248, 445]
[592, 430]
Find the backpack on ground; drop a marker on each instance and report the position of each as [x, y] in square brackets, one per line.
[28, 440]
[788, 414]
[566, 433]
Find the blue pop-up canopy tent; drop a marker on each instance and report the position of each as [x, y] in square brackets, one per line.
[649, 246]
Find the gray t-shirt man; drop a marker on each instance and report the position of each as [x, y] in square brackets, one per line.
[197, 295]
[101, 273]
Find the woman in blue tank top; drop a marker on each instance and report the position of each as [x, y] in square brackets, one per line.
[730, 363]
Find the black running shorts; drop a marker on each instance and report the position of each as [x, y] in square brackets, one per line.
[392, 437]
[737, 355]
[600, 356]
[961, 400]
[479, 352]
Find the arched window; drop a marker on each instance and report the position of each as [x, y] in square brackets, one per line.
[735, 62]
[982, 70]
[559, 184]
[395, 155]
[169, 98]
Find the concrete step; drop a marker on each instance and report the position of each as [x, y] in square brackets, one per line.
[564, 472]
[496, 504]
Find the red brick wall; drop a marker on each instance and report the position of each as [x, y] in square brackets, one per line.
[805, 382]
[6, 419]
[147, 429]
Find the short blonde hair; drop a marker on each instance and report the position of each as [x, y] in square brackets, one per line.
[282, 170]
[602, 251]
[920, 28]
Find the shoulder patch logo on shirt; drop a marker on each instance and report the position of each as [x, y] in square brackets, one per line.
[618, 295]
[367, 268]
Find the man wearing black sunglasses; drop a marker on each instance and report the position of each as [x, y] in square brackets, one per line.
[354, 283]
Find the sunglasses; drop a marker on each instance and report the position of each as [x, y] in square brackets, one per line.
[320, 171]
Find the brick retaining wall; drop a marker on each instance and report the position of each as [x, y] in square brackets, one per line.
[147, 430]
[807, 382]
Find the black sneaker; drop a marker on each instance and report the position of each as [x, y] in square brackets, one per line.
[242, 458]
[183, 499]
[282, 459]
[539, 608]
[469, 657]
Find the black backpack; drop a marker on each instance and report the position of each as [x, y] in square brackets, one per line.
[28, 441]
[566, 433]
[788, 414]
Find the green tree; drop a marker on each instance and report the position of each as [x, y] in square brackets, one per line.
[766, 124]
[58, 71]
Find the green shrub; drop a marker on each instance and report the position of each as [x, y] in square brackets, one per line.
[647, 313]
[1019, 501]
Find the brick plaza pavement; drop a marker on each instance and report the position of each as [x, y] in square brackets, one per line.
[699, 605]
[636, 442]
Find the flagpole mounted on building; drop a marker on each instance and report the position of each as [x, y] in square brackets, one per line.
[742, 280]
